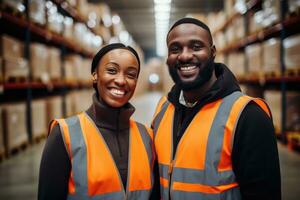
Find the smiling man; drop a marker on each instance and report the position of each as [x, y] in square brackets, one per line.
[212, 141]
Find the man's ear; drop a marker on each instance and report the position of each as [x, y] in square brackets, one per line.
[213, 51]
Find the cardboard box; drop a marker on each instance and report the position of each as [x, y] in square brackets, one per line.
[11, 47]
[54, 63]
[37, 11]
[15, 125]
[292, 52]
[236, 63]
[254, 58]
[54, 108]
[271, 55]
[15, 68]
[273, 98]
[38, 62]
[39, 118]
[293, 111]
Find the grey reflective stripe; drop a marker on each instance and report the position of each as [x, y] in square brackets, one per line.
[163, 171]
[232, 194]
[108, 196]
[147, 141]
[198, 176]
[159, 116]
[210, 176]
[78, 152]
[79, 165]
[139, 194]
[215, 143]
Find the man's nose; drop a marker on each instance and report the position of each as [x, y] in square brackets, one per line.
[185, 55]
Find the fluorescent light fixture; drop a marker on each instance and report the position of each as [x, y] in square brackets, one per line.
[162, 1]
[154, 78]
[116, 19]
[124, 36]
[162, 9]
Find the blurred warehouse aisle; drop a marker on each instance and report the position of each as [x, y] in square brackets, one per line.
[19, 175]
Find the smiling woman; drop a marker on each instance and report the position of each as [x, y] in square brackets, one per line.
[101, 153]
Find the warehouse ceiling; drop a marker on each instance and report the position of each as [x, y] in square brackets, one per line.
[138, 16]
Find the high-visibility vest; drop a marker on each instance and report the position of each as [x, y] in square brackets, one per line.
[202, 166]
[94, 174]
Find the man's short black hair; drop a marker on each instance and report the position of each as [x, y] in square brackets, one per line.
[189, 20]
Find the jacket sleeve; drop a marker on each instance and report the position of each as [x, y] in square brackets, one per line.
[55, 168]
[255, 156]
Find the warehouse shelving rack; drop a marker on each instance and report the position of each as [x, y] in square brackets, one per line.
[20, 26]
[287, 26]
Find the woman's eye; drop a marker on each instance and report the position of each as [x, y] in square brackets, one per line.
[111, 71]
[132, 75]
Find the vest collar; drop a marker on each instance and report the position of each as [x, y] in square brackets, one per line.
[111, 118]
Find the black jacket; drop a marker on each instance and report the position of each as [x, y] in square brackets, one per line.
[254, 155]
[55, 168]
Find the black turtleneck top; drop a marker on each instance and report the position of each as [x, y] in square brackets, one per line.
[55, 168]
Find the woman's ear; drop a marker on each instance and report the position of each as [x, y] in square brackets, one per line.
[95, 77]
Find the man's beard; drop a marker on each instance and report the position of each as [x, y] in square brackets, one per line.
[203, 76]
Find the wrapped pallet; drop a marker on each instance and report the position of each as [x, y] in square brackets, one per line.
[15, 125]
[38, 62]
[16, 6]
[85, 71]
[11, 47]
[15, 68]
[2, 147]
[37, 12]
[254, 58]
[220, 40]
[39, 118]
[54, 108]
[236, 63]
[73, 65]
[239, 26]
[273, 98]
[292, 52]
[68, 28]
[54, 63]
[271, 55]
[82, 100]
[70, 104]
[293, 111]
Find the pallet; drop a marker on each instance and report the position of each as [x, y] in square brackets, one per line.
[8, 9]
[20, 79]
[19, 148]
[39, 138]
[292, 72]
[272, 74]
[293, 141]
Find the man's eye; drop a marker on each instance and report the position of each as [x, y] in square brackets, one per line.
[197, 47]
[174, 49]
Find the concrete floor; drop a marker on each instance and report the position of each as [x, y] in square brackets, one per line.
[19, 174]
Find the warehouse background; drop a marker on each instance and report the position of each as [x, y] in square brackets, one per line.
[46, 49]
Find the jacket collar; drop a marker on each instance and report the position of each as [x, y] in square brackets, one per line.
[225, 84]
[110, 118]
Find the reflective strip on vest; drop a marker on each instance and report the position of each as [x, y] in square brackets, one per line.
[202, 166]
[97, 177]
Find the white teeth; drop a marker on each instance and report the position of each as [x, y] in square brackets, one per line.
[187, 68]
[118, 92]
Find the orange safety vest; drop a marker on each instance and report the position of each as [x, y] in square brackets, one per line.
[94, 173]
[202, 166]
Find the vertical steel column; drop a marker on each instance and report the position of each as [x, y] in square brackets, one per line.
[284, 6]
[29, 89]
